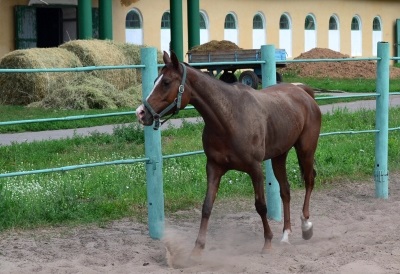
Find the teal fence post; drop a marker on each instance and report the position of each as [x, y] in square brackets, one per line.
[274, 203]
[154, 177]
[381, 172]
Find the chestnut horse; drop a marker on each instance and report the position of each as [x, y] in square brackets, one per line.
[243, 127]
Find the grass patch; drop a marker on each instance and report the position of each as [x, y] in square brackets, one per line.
[17, 113]
[111, 192]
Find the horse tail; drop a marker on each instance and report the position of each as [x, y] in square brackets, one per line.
[306, 88]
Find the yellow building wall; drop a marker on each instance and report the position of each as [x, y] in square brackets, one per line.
[216, 10]
[7, 24]
[272, 10]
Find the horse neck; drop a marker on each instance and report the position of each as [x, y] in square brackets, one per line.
[212, 98]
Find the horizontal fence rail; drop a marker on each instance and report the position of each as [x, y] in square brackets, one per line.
[153, 156]
[67, 118]
[76, 69]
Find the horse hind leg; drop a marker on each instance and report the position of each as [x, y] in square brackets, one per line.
[279, 167]
[306, 163]
[257, 179]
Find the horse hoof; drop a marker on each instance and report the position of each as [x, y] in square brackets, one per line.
[196, 254]
[266, 250]
[285, 237]
[307, 228]
[307, 234]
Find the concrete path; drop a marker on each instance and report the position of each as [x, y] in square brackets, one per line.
[8, 139]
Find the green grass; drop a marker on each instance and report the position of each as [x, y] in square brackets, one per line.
[16, 113]
[111, 192]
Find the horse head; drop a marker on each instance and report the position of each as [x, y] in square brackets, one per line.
[167, 95]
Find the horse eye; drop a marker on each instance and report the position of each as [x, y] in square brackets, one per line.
[166, 83]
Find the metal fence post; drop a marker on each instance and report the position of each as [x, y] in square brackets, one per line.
[268, 71]
[381, 173]
[154, 177]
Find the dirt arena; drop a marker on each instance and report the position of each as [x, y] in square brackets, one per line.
[353, 233]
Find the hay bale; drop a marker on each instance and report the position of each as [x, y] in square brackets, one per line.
[103, 53]
[87, 92]
[132, 55]
[25, 88]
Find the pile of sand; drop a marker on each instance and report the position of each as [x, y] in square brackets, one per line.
[215, 45]
[344, 69]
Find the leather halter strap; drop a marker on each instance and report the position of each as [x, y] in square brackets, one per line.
[177, 102]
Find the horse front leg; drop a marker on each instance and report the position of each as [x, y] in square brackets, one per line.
[214, 174]
[279, 167]
[257, 178]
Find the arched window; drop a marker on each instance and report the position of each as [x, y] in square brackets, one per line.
[203, 27]
[284, 22]
[165, 31]
[309, 23]
[333, 25]
[258, 22]
[230, 30]
[310, 33]
[202, 22]
[259, 33]
[376, 24]
[355, 25]
[285, 34]
[334, 34]
[133, 20]
[133, 27]
[356, 36]
[376, 34]
[230, 22]
[166, 21]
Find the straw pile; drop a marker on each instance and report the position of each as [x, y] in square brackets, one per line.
[98, 89]
[24, 88]
[89, 92]
[103, 53]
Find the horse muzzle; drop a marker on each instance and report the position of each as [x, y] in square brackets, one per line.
[144, 116]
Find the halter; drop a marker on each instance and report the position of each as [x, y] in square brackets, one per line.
[177, 102]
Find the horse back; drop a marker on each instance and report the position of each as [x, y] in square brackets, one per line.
[306, 88]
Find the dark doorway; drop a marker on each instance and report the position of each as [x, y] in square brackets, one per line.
[49, 27]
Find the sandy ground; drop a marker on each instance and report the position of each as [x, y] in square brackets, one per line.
[353, 233]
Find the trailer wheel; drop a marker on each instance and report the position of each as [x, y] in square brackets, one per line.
[249, 78]
[279, 77]
[228, 77]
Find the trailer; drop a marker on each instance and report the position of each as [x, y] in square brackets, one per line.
[251, 74]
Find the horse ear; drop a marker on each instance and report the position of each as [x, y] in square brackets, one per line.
[166, 58]
[175, 60]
